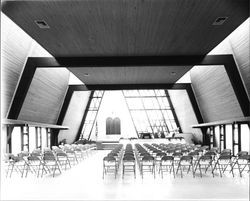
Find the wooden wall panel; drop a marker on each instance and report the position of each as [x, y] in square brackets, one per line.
[240, 44]
[212, 87]
[45, 95]
[74, 115]
[214, 93]
[185, 112]
[15, 49]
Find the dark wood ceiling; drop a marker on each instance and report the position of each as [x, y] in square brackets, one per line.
[130, 75]
[127, 27]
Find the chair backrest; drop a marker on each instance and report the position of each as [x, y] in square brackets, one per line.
[145, 154]
[148, 158]
[225, 154]
[46, 149]
[49, 157]
[215, 149]
[186, 158]
[61, 154]
[242, 153]
[206, 158]
[37, 151]
[193, 153]
[160, 154]
[48, 154]
[226, 151]
[129, 154]
[35, 154]
[245, 157]
[109, 158]
[225, 157]
[176, 154]
[128, 158]
[33, 158]
[210, 153]
[167, 158]
[23, 154]
[205, 147]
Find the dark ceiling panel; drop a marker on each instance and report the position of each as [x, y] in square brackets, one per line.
[129, 75]
[131, 27]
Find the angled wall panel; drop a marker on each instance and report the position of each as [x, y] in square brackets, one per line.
[74, 115]
[214, 93]
[240, 45]
[212, 87]
[16, 46]
[45, 95]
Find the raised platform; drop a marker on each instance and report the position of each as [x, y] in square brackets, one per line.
[109, 145]
[106, 145]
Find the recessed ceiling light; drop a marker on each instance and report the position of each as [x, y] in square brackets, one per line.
[42, 24]
[220, 20]
[86, 74]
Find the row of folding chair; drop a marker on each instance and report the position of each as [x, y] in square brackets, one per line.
[203, 158]
[47, 161]
[145, 160]
[111, 162]
[129, 164]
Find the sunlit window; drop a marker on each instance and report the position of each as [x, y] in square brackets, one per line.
[150, 111]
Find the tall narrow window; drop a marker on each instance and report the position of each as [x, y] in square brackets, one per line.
[92, 114]
[113, 126]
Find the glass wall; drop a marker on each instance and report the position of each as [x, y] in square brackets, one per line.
[150, 110]
[91, 114]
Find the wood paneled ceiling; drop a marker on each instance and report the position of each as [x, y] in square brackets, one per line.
[127, 27]
[130, 75]
[94, 28]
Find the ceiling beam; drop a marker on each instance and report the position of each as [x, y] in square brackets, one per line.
[121, 61]
[51, 62]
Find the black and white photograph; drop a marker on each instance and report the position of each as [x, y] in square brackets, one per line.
[125, 100]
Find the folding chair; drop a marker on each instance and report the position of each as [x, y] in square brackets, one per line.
[167, 162]
[8, 162]
[177, 156]
[109, 165]
[128, 165]
[71, 156]
[158, 158]
[34, 165]
[222, 163]
[196, 156]
[205, 161]
[17, 164]
[79, 153]
[50, 163]
[147, 165]
[242, 160]
[62, 159]
[184, 162]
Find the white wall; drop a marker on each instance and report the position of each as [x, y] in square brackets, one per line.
[73, 116]
[114, 105]
[185, 113]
